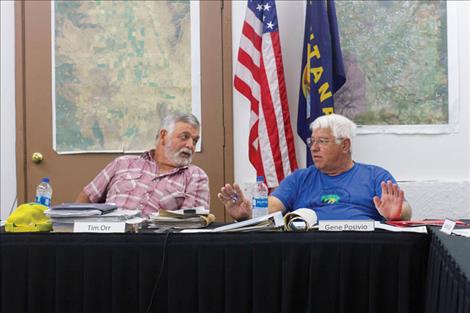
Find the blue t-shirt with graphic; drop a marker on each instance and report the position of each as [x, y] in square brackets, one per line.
[347, 196]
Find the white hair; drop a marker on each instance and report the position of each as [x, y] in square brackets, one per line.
[170, 121]
[341, 127]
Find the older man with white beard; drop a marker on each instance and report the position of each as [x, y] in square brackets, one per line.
[161, 178]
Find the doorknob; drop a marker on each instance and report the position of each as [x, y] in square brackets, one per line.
[37, 157]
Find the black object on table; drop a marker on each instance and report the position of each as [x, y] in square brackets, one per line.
[448, 285]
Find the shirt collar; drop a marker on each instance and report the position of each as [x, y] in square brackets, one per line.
[149, 156]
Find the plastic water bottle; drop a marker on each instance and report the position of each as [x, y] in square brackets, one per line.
[260, 198]
[44, 192]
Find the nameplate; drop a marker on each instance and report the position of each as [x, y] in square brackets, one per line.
[326, 225]
[448, 226]
[99, 227]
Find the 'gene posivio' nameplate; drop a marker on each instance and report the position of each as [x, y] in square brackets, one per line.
[99, 227]
[346, 225]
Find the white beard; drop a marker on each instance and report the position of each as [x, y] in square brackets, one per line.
[176, 158]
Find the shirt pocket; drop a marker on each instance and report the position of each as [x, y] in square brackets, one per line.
[129, 183]
[170, 196]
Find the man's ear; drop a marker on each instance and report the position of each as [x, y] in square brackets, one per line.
[346, 145]
[163, 133]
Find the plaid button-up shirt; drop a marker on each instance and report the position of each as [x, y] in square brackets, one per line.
[133, 182]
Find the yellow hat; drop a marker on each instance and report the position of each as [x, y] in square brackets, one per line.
[28, 217]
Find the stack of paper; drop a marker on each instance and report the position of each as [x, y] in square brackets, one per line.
[185, 218]
[270, 222]
[417, 229]
[80, 209]
[64, 216]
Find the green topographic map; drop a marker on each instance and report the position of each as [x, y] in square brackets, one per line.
[395, 56]
[119, 67]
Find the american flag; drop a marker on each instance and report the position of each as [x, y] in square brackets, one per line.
[259, 77]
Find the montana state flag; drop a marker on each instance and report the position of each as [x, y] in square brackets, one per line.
[322, 66]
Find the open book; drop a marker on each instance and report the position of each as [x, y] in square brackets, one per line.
[300, 220]
[179, 219]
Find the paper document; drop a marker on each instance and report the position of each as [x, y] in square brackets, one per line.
[66, 216]
[185, 218]
[273, 221]
[423, 223]
[418, 229]
[182, 213]
[196, 230]
[461, 232]
[123, 213]
[103, 207]
[72, 213]
[187, 211]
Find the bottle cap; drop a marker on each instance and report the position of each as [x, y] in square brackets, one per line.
[45, 179]
[259, 178]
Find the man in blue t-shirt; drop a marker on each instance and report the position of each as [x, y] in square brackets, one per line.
[336, 187]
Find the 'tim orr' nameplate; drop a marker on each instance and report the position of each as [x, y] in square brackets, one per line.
[346, 225]
[99, 227]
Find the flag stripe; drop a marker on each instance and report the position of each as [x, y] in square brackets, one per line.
[252, 36]
[272, 107]
[265, 144]
[249, 50]
[281, 106]
[287, 135]
[269, 139]
[245, 90]
[247, 70]
[253, 149]
[252, 32]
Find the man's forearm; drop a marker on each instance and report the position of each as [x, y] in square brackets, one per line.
[82, 198]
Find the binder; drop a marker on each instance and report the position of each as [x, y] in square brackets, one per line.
[103, 207]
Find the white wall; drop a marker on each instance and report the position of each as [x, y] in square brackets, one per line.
[429, 167]
[7, 110]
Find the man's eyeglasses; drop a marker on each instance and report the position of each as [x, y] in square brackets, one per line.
[321, 141]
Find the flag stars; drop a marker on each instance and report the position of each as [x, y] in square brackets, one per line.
[259, 7]
[270, 25]
[267, 7]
